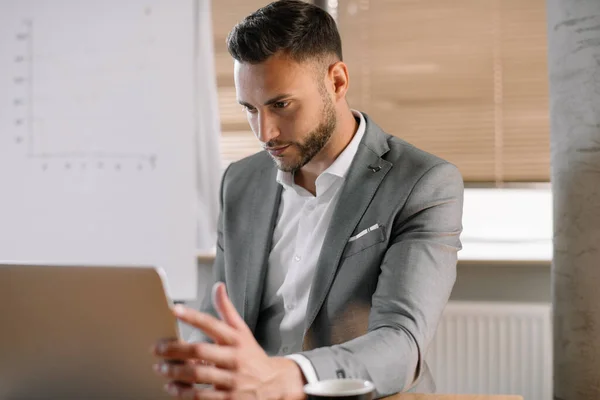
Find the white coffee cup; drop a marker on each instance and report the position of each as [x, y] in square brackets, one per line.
[347, 389]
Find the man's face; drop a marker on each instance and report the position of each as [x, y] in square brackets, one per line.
[288, 108]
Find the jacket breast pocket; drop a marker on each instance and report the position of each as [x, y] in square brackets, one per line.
[363, 242]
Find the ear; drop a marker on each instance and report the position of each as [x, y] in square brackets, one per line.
[338, 75]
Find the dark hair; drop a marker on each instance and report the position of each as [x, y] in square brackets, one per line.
[298, 29]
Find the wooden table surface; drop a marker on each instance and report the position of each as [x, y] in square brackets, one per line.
[416, 396]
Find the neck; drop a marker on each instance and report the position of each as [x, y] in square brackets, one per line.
[345, 129]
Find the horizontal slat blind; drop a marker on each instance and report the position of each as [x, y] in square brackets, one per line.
[463, 79]
[237, 140]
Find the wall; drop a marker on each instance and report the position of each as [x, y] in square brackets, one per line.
[503, 281]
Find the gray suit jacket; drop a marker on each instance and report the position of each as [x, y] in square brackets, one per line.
[375, 302]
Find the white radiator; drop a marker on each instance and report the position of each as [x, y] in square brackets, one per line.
[494, 348]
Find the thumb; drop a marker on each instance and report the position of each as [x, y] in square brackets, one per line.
[225, 307]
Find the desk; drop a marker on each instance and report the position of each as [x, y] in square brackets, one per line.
[414, 396]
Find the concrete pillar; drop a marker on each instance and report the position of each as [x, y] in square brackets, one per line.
[574, 66]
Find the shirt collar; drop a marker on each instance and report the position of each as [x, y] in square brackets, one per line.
[341, 165]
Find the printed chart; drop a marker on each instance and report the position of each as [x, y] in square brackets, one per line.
[97, 134]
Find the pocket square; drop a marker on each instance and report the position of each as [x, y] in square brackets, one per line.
[363, 233]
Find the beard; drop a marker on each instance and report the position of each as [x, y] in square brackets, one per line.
[315, 141]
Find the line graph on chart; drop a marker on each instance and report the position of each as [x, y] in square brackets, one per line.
[83, 101]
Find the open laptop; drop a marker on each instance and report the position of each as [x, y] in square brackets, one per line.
[78, 332]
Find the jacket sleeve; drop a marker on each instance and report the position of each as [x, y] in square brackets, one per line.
[417, 274]
[218, 268]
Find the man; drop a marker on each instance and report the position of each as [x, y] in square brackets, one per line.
[337, 245]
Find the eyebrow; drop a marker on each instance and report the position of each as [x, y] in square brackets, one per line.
[268, 102]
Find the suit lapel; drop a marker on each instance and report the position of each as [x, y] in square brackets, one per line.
[364, 177]
[265, 205]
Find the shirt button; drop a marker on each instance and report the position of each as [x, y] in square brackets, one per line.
[297, 258]
[284, 349]
[289, 307]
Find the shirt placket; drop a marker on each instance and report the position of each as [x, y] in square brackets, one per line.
[302, 245]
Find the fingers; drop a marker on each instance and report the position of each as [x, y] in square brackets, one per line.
[215, 329]
[193, 373]
[221, 356]
[226, 309]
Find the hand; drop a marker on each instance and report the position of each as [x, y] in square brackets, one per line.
[235, 364]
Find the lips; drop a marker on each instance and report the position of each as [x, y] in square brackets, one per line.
[277, 151]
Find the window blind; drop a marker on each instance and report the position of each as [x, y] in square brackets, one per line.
[465, 80]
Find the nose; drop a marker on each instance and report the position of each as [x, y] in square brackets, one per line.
[267, 128]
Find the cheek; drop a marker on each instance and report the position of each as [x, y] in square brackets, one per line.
[296, 125]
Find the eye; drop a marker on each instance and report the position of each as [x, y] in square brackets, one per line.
[249, 109]
[281, 104]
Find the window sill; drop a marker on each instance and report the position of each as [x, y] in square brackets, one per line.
[507, 225]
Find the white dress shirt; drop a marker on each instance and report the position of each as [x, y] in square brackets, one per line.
[302, 223]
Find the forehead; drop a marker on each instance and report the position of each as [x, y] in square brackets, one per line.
[276, 74]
